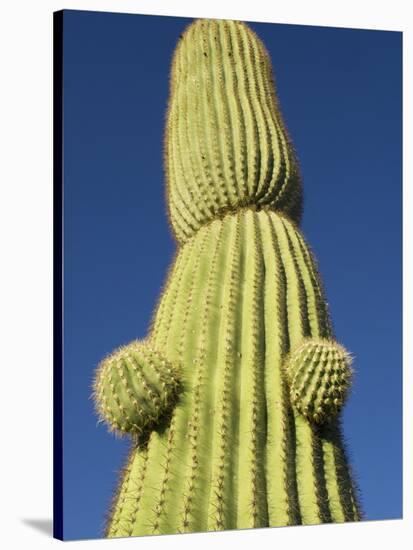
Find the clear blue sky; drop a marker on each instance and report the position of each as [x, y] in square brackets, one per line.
[340, 93]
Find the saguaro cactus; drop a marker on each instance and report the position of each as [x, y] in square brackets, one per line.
[233, 400]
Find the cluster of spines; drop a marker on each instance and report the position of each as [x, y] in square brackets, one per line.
[226, 146]
[134, 388]
[319, 373]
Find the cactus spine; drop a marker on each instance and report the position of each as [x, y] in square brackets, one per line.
[235, 418]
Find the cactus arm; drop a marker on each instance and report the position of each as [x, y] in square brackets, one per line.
[134, 389]
[319, 375]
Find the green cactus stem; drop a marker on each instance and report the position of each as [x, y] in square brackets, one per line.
[250, 435]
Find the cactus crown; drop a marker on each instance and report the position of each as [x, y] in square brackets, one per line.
[226, 146]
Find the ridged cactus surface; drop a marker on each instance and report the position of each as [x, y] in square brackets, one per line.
[226, 145]
[233, 400]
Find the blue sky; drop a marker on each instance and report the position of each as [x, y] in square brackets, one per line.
[340, 94]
